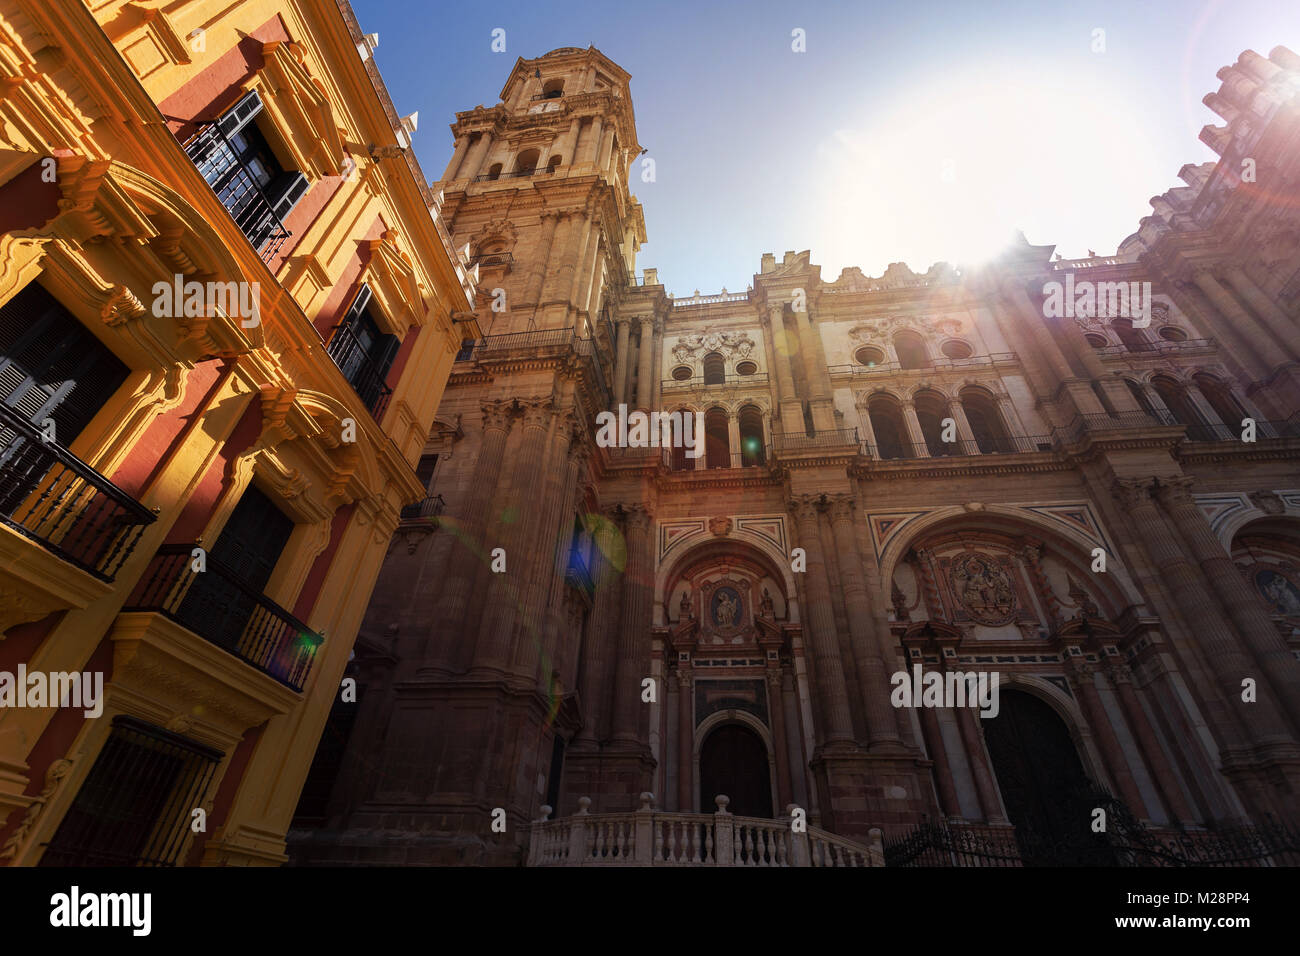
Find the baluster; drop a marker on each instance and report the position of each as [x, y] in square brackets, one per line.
[624, 838]
[708, 842]
[601, 834]
[659, 841]
[695, 842]
[672, 841]
[763, 845]
[746, 853]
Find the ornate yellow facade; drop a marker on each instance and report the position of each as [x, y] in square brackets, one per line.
[143, 148]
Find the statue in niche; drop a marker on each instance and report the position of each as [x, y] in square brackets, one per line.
[724, 614]
[1279, 592]
[684, 607]
[766, 607]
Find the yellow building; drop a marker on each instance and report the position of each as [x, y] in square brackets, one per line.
[228, 310]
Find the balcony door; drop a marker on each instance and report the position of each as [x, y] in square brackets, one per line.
[222, 600]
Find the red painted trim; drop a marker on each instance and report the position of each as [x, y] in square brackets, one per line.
[216, 88]
[26, 201]
[320, 567]
[345, 287]
[217, 481]
[150, 454]
[403, 353]
[304, 215]
[226, 791]
[22, 641]
[59, 733]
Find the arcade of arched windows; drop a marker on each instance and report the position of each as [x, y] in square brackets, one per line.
[931, 423]
[736, 435]
[1210, 404]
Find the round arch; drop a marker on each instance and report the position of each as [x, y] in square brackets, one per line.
[738, 544]
[715, 722]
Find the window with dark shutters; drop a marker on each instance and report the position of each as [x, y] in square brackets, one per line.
[51, 366]
[363, 353]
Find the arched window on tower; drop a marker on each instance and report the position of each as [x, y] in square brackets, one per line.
[750, 421]
[553, 163]
[715, 369]
[527, 161]
[494, 171]
[911, 350]
[680, 462]
[1175, 399]
[552, 89]
[1221, 400]
[717, 439]
[931, 410]
[886, 417]
[1144, 401]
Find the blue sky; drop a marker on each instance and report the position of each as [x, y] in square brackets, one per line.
[906, 132]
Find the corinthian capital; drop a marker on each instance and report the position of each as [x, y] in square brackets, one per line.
[1133, 492]
[1176, 489]
[841, 507]
[804, 507]
[637, 516]
[497, 414]
[536, 412]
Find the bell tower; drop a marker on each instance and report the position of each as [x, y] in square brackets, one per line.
[538, 188]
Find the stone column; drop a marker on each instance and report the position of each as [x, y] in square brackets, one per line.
[457, 156]
[550, 591]
[1011, 422]
[623, 324]
[504, 588]
[464, 562]
[656, 399]
[832, 693]
[593, 690]
[543, 263]
[986, 789]
[594, 135]
[1275, 663]
[776, 707]
[871, 670]
[685, 741]
[733, 441]
[1162, 410]
[965, 437]
[1263, 723]
[934, 746]
[633, 638]
[914, 434]
[1252, 336]
[645, 381]
[1161, 772]
[1282, 326]
[867, 431]
[474, 161]
[791, 409]
[1032, 317]
[1107, 742]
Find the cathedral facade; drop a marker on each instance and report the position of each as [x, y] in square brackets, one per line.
[939, 472]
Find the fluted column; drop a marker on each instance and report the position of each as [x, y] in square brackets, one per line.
[623, 324]
[1253, 337]
[986, 789]
[832, 692]
[594, 135]
[776, 707]
[1282, 326]
[593, 691]
[934, 746]
[914, 434]
[866, 430]
[505, 588]
[1032, 317]
[474, 160]
[1107, 742]
[1162, 772]
[871, 670]
[1263, 722]
[633, 641]
[543, 263]
[1275, 663]
[468, 553]
[646, 376]
[457, 156]
[546, 592]
[685, 741]
[656, 396]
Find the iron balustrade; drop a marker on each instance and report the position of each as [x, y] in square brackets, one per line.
[50, 495]
[491, 259]
[429, 507]
[906, 450]
[517, 174]
[1231, 431]
[931, 365]
[235, 186]
[757, 378]
[1087, 424]
[218, 606]
[678, 461]
[363, 373]
[830, 438]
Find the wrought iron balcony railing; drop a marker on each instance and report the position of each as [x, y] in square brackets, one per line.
[904, 450]
[430, 507]
[50, 495]
[798, 441]
[363, 372]
[1232, 431]
[517, 174]
[238, 190]
[491, 259]
[756, 379]
[218, 606]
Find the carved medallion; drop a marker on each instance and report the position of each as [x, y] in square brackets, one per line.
[983, 589]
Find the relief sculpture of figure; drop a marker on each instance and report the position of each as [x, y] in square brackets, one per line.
[725, 615]
[766, 607]
[684, 606]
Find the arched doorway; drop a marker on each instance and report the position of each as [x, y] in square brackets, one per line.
[1047, 794]
[733, 760]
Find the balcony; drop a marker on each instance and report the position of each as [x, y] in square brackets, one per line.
[1286, 428]
[219, 607]
[517, 174]
[649, 837]
[1082, 425]
[677, 461]
[830, 438]
[758, 379]
[425, 510]
[364, 374]
[987, 445]
[491, 259]
[238, 190]
[51, 496]
[932, 365]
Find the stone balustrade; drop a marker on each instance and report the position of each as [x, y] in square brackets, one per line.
[649, 837]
